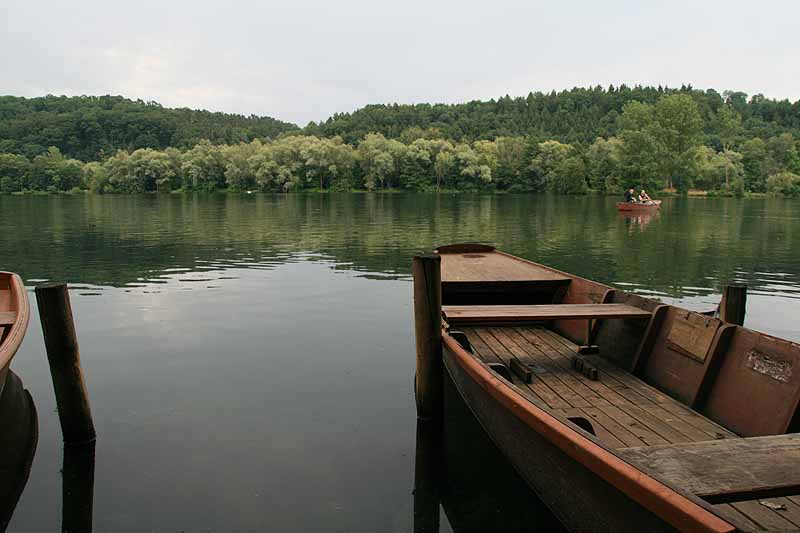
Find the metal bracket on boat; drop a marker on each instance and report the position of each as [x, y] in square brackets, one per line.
[501, 369]
[585, 367]
[461, 338]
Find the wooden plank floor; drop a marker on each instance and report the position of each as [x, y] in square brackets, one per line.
[623, 410]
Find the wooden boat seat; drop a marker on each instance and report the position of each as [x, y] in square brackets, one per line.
[487, 314]
[726, 470]
[7, 318]
[473, 273]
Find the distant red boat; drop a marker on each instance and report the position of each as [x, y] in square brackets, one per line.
[638, 206]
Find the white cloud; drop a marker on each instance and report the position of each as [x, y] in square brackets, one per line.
[308, 59]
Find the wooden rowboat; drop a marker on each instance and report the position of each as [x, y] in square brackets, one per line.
[19, 429]
[637, 206]
[623, 414]
[14, 314]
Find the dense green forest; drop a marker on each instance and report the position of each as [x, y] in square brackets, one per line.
[90, 128]
[570, 142]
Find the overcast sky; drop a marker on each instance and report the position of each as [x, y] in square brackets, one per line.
[302, 60]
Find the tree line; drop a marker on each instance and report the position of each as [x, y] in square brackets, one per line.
[91, 128]
[668, 139]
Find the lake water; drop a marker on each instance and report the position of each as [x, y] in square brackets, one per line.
[250, 358]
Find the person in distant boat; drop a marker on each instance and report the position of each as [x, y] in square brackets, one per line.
[629, 195]
[644, 197]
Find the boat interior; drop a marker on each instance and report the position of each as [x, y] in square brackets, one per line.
[13, 319]
[707, 407]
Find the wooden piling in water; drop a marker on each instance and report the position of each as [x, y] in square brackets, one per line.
[77, 488]
[61, 341]
[733, 304]
[428, 331]
[427, 476]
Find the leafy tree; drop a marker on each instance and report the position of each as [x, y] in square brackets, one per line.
[203, 167]
[677, 131]
[14, 172]
[786, 183]
[754, 160]
[728, 123]
[377, 160]
[716, 169]
[95, 177]
[604, 164]
[52, 171]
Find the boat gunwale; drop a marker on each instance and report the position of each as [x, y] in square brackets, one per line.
[13, 339]
[634, 206]
[683, 511]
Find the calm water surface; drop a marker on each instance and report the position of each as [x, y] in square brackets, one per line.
[250, 359]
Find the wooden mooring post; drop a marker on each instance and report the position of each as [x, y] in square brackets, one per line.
[733, 304]
[428, 330]
[61, 341]
[77, 488]
[427, 476]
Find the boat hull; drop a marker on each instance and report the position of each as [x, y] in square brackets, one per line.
[627, 207]
[580, 499]
[13, 299]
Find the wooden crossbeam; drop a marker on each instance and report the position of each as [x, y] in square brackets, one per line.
[482, 314]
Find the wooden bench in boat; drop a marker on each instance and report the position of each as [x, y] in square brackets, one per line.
[7, 318]
[727, 470]
[485, 314]
[520, 314]
[480, 274]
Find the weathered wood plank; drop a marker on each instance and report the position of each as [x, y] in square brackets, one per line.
[764, 516]
[562, 370]
[618, 430]
[650, 437]
[531, 313]
[735, 517]
[599, 391]
[791, 511]
[492, 267]
[659, 426]
[639, 393]
[538, 391]
[601, 432]
[548, 377]
[724, 470]
[692, 433]
[714, 430]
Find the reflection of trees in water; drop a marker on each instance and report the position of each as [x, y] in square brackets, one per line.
[122, 240]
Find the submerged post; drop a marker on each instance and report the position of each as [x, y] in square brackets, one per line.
[428, 330]
[427, 476]
[732, 306]
[55, 313]
[77, 488]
